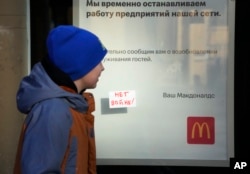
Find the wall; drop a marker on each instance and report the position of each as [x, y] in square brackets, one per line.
[13, 65]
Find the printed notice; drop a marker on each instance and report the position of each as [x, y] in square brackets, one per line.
[166, 61]
[121, 99]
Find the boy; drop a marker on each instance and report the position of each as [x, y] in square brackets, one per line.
[58, 132]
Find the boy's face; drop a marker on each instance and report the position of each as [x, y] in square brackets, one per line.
[89, 81]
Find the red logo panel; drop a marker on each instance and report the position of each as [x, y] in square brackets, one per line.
[200, 130]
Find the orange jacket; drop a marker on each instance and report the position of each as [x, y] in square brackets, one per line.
[80, 153]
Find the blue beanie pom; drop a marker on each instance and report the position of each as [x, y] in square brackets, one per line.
[75, 51]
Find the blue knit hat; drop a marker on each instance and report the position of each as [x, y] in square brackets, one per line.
[74, 50]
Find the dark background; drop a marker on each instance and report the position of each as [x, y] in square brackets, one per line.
[50, 13]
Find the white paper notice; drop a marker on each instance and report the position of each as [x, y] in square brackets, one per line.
[167, 62]
[121, 99]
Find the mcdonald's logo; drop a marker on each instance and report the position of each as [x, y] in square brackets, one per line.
[200, 130]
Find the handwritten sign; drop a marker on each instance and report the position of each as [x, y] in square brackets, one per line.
[122, 99]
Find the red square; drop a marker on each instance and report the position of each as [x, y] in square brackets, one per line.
[200, 130]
